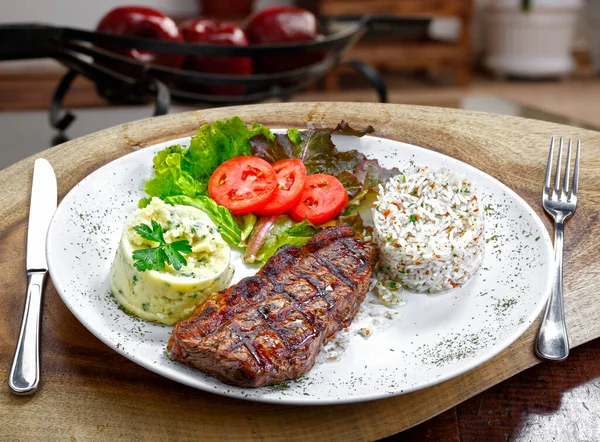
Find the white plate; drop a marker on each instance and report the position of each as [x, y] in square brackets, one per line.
[430, 339]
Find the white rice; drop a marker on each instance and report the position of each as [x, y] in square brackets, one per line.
[429, 227]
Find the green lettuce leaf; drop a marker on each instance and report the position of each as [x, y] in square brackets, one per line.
[222, 217]
[246, 223]
[181, 171]
[272, 232]
[144, 202]
[172, 176]
[218, 142]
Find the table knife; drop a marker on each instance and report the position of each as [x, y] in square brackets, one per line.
[24, 374]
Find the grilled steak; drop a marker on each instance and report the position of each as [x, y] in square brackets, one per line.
[270, 327]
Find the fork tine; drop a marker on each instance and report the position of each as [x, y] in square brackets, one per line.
[558, 162]
[565, 188]
[576, 172]
[549, 168]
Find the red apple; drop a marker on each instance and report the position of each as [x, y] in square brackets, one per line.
[140, 21]
[283, 24]
[212, 31]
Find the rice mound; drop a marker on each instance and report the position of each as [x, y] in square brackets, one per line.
[429, 227]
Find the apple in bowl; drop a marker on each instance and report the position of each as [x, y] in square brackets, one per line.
[211, 31]
[141, 21]
[283, 24]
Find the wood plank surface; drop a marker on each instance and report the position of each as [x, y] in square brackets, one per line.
[89, 392]
[548, 402]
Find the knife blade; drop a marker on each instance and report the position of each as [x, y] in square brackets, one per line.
[25, 369]
[41, 210]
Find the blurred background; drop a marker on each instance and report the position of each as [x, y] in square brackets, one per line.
[532, 58]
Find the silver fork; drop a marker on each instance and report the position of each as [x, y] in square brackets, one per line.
[552, 341]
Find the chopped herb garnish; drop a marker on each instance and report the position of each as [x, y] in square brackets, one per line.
[154, 258]
[492, 238]
[538, 238]
[413, 219]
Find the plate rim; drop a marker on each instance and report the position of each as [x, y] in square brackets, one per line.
[181, 378]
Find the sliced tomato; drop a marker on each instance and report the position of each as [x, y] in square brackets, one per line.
[242, 184]
[290, 182]
[321, 200]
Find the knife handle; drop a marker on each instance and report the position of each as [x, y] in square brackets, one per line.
[24, 374]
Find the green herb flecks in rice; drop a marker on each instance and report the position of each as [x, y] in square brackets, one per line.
[429, 227]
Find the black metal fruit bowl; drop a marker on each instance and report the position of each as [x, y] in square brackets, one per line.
[123, 80]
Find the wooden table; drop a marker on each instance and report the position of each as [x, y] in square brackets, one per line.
[90, 392]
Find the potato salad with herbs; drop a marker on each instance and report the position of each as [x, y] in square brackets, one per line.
[171, 258]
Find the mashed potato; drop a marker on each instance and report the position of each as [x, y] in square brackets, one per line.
[170, 295]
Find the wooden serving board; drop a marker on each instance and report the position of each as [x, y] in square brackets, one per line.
[90, 392]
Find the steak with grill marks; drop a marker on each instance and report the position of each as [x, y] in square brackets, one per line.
[270, 327]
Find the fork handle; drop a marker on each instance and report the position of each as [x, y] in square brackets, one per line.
[552, 341]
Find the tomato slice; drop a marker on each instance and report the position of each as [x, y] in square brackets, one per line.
[290, 182]
[321, 200]
[242, 184]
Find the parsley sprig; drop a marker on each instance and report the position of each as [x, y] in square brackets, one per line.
[155, 258]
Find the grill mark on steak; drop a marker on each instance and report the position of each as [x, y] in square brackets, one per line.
[246, 342]
[320, 291]
[297, 307]
[356, 253]
[277, 330]
[270, 327]
[333, 269]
